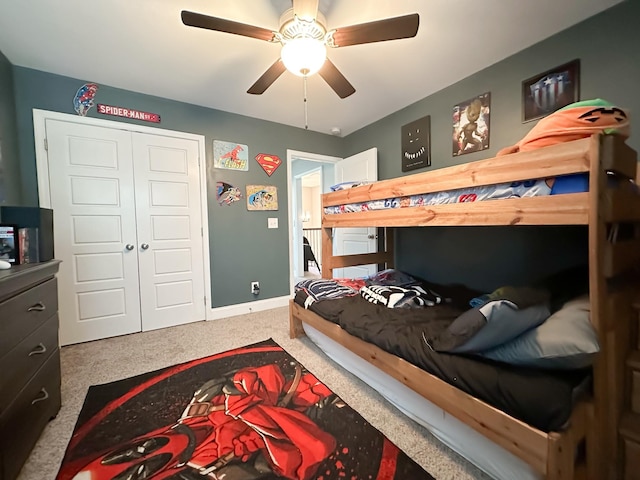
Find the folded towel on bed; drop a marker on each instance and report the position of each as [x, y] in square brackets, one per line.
[575, 121]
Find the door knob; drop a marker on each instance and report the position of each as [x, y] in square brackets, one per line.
[129, 246]
[371, 236]
[144, 246]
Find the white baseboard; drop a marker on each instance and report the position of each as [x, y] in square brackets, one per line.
[249, 307]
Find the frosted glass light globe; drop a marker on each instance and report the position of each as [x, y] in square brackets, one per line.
[303, 56]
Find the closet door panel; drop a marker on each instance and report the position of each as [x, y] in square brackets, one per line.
[170, 244]
[92, 196]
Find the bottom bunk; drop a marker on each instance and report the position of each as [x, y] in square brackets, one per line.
[460, 420]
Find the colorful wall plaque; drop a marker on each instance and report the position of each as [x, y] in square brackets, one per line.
[262, 197]
[269, 163]
[229, 155]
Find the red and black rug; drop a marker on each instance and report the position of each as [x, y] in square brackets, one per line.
[245, 414]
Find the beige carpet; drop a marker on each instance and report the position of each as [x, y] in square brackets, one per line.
[116, 358]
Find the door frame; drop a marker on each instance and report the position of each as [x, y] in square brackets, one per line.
[42, 169]
[293, 204]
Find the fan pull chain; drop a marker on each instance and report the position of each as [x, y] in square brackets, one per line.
[304, 84]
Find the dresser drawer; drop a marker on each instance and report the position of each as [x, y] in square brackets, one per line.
[23, 313]
[25, 359]
[22, 423]
[632, 460]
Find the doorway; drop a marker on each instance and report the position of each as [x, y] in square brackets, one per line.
[310, 169]
[129, 208]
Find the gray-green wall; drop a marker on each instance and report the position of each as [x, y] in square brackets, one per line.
[9, 158]
[243, 249]
[608, 46]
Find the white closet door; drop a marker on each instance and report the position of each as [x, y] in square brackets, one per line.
[92, 196]
[169, 223]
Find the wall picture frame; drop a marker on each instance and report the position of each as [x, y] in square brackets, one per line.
[416, 144]
[9, 243]
[471, 125]
[548, 91]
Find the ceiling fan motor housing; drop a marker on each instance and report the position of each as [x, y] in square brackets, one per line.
[293, 27]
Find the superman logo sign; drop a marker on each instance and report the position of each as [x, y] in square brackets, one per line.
[269, 163]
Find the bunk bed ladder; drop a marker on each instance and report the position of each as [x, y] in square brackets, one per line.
[614, 257]
[614, 239]
[630, 422]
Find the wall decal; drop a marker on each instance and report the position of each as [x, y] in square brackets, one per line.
[230, 155]
[227, 194]
[269, 163]
[547, 92]
[262, 197]
[83, 99]
[128, 113]
[416, 144]
[471, 125]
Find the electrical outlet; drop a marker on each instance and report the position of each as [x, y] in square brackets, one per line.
[255, 288]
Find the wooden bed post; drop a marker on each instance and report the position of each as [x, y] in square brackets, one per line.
[327, 252]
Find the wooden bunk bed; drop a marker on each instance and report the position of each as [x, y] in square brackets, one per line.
[613, 285]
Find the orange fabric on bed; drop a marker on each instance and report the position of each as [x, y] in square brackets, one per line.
[575, 121]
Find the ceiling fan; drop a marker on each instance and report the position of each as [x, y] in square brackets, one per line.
[304, 38]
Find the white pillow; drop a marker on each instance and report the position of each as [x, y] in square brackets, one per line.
[566, 340]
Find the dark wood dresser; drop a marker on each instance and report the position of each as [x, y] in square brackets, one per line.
[29, 360]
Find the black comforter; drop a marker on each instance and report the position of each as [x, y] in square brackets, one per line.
[541, 398]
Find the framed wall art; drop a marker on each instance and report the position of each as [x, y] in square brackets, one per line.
[471, 125]
[416, 144]
[546, 92]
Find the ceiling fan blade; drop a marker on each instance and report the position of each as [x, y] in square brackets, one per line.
[267, 78]
[378, 31]
[330, 73]
[305, 9]
[199, 20]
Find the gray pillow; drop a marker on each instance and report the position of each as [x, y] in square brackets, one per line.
[503, 321]
[566, 340]
[488, 326]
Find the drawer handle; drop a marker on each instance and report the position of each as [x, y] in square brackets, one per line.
[38, 307]
[44, 395]
[38, 350]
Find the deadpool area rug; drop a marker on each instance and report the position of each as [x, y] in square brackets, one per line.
[245, 414]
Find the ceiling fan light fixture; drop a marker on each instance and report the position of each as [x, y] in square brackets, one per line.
[303, 56]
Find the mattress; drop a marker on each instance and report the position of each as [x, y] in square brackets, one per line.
[529, 188]
[543, 399]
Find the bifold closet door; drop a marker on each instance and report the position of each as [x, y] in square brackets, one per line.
[168, 212]
[127, 228]
[92, 196]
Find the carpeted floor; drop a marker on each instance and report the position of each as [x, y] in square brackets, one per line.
[116, 358]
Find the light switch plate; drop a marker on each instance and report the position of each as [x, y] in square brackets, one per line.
[273, 222]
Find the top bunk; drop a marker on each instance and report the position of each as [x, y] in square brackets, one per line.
[598, 157]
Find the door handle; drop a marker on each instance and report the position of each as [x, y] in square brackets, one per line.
[129, 247]
[144, 246]
[371, 236]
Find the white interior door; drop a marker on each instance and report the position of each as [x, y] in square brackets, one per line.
[169, 230]
[127, 227]
[92, 194]
[348, 241]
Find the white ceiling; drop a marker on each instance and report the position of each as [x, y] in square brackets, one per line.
[142, 46]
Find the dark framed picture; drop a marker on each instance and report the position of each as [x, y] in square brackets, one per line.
[9, 243]
[548, 91]
[471, 125]
[416, 144]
